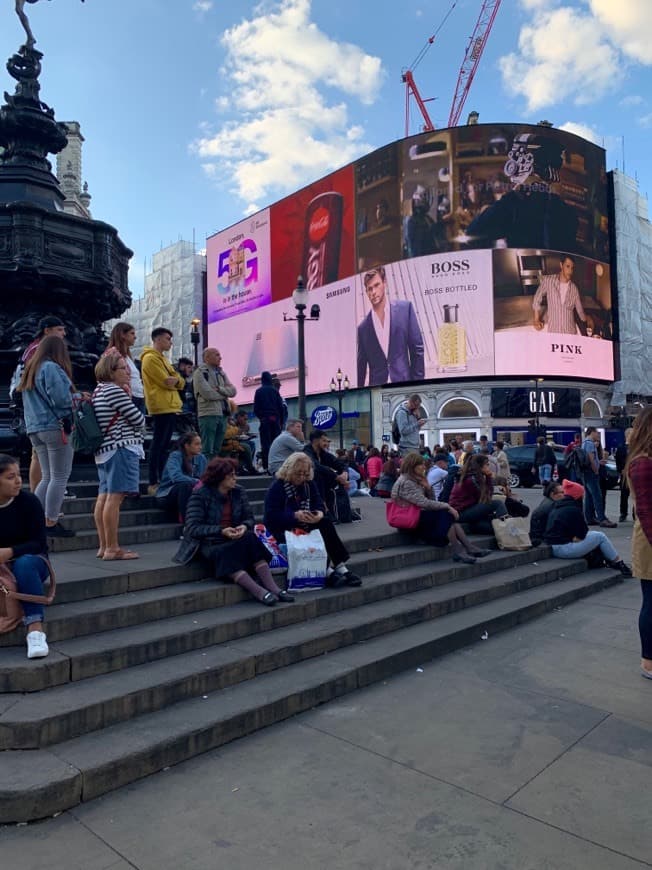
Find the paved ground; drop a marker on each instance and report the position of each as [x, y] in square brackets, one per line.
[531, 750]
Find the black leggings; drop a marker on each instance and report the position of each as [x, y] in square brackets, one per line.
[645, 620]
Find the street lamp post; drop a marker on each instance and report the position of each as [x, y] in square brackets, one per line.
[300, 299]
[194, 338]
[340, 384]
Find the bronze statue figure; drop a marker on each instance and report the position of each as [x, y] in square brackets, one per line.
[24, 20]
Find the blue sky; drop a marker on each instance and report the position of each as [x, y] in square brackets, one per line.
[196, 112]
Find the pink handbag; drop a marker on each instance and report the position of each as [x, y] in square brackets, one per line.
[402, 516]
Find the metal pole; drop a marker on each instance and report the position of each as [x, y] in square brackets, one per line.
[301, 318]
[339, 402]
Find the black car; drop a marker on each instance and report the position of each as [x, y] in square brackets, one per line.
[521, 463]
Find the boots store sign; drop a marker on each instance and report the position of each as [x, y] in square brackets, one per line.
[523, 402]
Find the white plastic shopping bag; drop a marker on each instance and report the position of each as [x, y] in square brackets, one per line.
[307, 561]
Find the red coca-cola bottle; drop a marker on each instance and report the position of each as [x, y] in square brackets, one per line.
[322, 237]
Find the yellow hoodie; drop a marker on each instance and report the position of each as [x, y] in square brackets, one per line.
[159, 397]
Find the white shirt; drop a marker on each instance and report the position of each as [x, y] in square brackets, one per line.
[382, 329]
[436, 478]
[563, 291]
[135, 380]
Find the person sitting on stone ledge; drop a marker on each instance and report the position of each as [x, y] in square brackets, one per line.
[569, 535]
[438, 521]
[552, 493]
[219, 527]
[293, 501]
[472, 495]
[183, 470]
[22, 546]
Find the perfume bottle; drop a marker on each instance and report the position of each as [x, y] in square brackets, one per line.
[452, 342]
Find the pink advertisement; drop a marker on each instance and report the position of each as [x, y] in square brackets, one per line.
[238, 262]
[425, 318]
[263, 341]
[553, 314]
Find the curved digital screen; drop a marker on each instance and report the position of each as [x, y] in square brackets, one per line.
[475, 251]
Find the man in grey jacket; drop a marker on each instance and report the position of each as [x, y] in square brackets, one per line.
[288, 442]
[212, 389]
[409, 424]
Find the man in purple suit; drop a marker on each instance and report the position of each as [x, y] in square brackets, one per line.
[390, 342]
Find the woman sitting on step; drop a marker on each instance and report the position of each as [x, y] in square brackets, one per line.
[219, 524]
[183, 469]
[472, 495]
[438, 521]
[119, 455]
[22, 546]
[293, 502]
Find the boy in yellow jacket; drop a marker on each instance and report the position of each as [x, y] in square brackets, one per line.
[161, 384]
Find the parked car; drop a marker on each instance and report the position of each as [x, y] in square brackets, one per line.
[521, 462]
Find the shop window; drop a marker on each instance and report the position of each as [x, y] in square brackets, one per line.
[459, 408]
[590, 408]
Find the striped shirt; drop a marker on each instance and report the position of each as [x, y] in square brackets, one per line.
[124, 430]
[560, 315]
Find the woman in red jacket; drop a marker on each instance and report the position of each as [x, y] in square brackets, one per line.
[472, 495]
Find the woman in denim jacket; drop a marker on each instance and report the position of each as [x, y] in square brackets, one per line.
[46, 385]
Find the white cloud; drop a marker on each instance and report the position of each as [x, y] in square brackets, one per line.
[577, 52]
[556, 59]
[645, 121]
[584, 131]
[629, 23]
[632, 100]
[202, 5]
[289, 84]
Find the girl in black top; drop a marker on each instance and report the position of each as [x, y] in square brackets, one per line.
[22, 544]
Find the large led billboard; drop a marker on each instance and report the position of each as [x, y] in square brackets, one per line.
[468, 252]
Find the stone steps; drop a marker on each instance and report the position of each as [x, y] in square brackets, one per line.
[256, 682]
[129, 537]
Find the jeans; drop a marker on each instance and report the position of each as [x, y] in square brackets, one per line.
[212, 428]
[545, 474]
[576, 549]
[158, 452]
[30, 573]
[593, 509]
[55, 459]
[645, 620]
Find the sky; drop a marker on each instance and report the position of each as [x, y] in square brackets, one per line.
[198, 112]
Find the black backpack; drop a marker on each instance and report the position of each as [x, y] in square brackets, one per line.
[578, 459]
[396, 432]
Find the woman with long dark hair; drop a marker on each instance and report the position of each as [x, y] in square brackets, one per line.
[182, 472]
[638, 472]
[121, 340]
[438, 521]
[219, 524]
[472, 494]
[47, 388]
[22, 547]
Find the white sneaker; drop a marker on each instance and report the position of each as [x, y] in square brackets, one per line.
[37, 646]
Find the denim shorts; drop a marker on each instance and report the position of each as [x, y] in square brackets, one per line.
[120, 473]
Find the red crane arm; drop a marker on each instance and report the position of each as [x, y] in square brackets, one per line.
[472, 57]
[411, 87]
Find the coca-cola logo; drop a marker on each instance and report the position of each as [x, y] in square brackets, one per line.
[323, 417]
[319, 224]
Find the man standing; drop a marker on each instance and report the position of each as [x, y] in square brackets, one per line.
[562, 299]
[161, 384]
[276, 383]
[390, 342]
[212, 390]
[288, 442]
[544, 460]
[593, 511]
[621, 460]
[409, 424]
[502, 460]
[268, 407]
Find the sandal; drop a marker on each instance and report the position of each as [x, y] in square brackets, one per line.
[119, 555]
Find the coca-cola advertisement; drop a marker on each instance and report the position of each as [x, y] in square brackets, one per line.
[313, 235]
[238, 263]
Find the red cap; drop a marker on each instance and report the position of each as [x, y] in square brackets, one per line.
[574, 490]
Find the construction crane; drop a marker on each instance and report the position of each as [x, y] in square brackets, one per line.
[472, 57]
[411, 88]
[468, 69]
